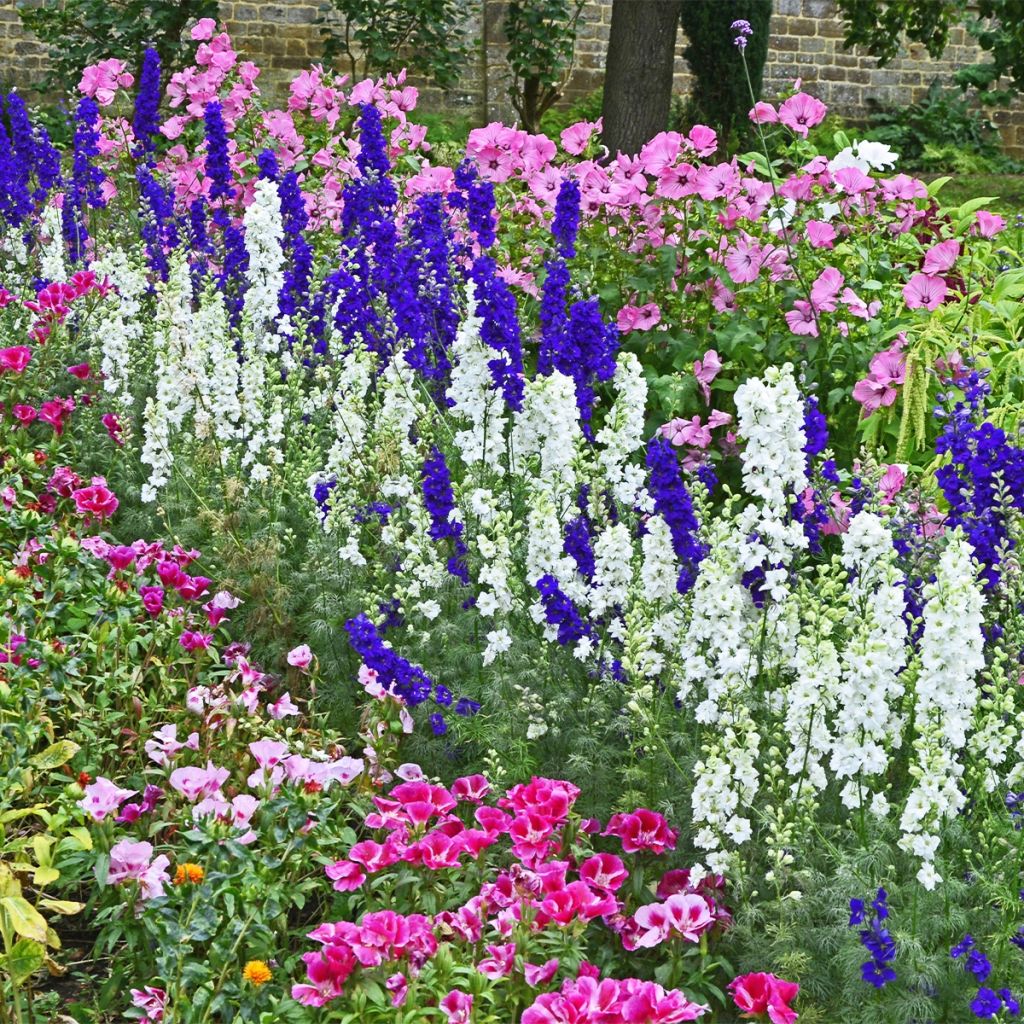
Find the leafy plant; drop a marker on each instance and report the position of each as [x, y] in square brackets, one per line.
[83, 32]
[427, 37]
[541, 38]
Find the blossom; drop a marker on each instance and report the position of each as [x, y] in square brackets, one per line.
[97, 499]
[257, 973]
[801, 112]
[103, 797]
[923, 291]
[300, 657]
[760, 993]
[15, 358]
[134, 862]
[189, 872]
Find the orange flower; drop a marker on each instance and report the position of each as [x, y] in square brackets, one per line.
[256, 972]
[189, 872]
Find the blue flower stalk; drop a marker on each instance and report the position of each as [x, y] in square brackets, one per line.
[146, 121]
[673, 503]
[876, 939]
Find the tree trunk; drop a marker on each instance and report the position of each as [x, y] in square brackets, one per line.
[638, 72]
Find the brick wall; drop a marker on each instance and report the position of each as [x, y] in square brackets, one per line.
[806, 42]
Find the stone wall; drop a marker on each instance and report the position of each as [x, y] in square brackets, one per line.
[806, 42]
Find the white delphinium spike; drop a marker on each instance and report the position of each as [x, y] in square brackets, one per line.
[172, 400]
[264, 233]
[867, 722]
[474, 400]
[51, 258]
[549, 426]
[770, 417]
[952, 655]
[120, 324]
[623, 432]
[218, 396]
[613, 568]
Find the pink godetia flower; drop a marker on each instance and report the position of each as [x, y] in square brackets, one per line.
[887, 372]
[458, 1006]
[941, 258]
[95, 500]
[300, 657]
[923, 291]
[195, 783]
[103, 797]
[15, 358]
[164, 744]
[152, 599]
[398, 986]
[891, 483]
[537, 975]
[346, 875]
[604, 871]
[192, 640]
[282, 707]
[134, 862]
[638, 318]
[686, 914]
[500, 962]
[218, 607]
[152, 1001]
[642, 830]
[801, 112]
[471, 789]
[80, 370]
[759, 994]
[55, 412]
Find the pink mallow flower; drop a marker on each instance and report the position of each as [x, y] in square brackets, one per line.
[802, 112]
[879, 388]
[923, 291]
[638, 318]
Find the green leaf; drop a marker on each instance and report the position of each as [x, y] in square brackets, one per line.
[933, 187]
[24, 918]
[25, 958]
[55, 755]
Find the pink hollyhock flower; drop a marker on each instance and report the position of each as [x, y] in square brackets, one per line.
[765, 993]
[604, 871]
[801, 112]
[120, 556]
[638, 318]
[820, 234]
[300, 657]
[763, 113]
[801, 319]
[346, 876]
[203, 29]
[96, 500]
[103, 797]
[988, 224]
[458, 1006]
[924, 292]
[15, 358]
[152, 1001]
[941, 258]
[891, 483]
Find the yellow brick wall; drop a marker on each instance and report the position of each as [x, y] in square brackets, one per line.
[806, 42]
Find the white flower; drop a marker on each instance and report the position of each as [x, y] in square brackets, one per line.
[498, 642]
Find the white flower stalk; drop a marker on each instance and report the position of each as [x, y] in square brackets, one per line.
[952, 656]
[613, 569]
[867, 722]
[403, 403]
[623, 432]
[218, 409]
[264, 233]
[475, 401]
[495, 597]
[120, 323]
[51, 258]
[660, 570]
[770, 414]
[166, 409]
[549, 426]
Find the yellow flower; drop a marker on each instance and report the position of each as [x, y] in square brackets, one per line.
[188, 872]
[256, 972]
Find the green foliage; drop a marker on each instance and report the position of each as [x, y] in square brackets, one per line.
[997, 26]
[81, 32]
[586, 108]
[541, 38]
[942, 131]
[721, 93]
[428, 37]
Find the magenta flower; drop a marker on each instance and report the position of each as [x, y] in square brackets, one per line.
[346, 876]
[15, 359]
[300, 657]
[801, 112]
[706, 370]
[941, 258]
[458, 1006]
[103, 797]
[638, 318]
[133, 862]
[96, 500]
[923, 291]
[820, 234]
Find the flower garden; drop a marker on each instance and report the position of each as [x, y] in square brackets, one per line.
[530, 585]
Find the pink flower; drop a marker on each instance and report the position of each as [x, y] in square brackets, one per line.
[765, 993]
[653, 922]
[537, 976]
[642, 830]
[923, 291]
[282, 707]
[825, 290]
[268, 753]
[152, 599]
[820, 234]
[132, 862]
[194, 782]
[203, 29]
[398, 986]
[638, 318]
[853, 180]
[152, 1001]
[471, 788]
[500, 962]
[103, 797]
[79, 370]
[97, 499]
[763, 113]
[989, 224]
[458, 1006]
[689, 914]
[346, 876]
[802, 112]
[16, 358]
[941, 258]
[801, 318]
[576, 137]
[891, 483]
[604, 871]
[300, 657]
[164, 744]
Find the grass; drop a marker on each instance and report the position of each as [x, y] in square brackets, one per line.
[1008, 190]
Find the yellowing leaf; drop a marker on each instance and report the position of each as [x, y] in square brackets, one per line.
[55, 755]
[24, 918]
[45, 875]
[24, 959]
[62, 906]
[82, 836]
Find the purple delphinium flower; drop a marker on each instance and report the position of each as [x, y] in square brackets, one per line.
[146, 121]
[673, 502]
